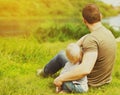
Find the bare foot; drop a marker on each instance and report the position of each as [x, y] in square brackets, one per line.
[40, 72]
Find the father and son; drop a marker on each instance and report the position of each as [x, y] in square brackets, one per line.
[88, 62]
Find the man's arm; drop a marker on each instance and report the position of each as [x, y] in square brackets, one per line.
[89, 59]
[79, 42]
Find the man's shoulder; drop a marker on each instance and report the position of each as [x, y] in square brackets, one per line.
[90, 38]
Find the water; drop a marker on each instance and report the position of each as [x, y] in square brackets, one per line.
[113, 22]
[16, 27]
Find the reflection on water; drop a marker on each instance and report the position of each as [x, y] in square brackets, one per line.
[113, 21]
[14, 27]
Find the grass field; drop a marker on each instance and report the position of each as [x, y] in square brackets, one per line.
[20, 58]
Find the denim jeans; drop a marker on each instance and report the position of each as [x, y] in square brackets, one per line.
[74, 88]
[56, 63]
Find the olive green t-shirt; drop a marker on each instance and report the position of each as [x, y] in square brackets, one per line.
[102, 41]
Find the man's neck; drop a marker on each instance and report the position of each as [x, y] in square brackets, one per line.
[93, 27]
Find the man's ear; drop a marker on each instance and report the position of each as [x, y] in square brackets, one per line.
[84, 21]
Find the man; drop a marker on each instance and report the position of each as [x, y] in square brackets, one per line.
[99, 50]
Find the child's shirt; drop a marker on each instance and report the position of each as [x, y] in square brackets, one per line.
[68, 67]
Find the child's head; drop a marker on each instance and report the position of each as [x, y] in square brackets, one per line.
[74, 53]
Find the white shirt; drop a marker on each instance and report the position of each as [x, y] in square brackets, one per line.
[69, 66]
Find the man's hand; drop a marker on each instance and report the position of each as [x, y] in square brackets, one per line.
[58, 81]
[58, 89]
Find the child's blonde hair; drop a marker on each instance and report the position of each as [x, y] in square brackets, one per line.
[74, 53]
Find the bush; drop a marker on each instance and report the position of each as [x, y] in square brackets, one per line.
[60, 31]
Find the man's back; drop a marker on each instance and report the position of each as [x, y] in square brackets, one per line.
[103, 41]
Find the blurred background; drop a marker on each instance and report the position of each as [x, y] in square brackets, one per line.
[52, 20]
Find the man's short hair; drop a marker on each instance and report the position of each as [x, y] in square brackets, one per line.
[91, 13]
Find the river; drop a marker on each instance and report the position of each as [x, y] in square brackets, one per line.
[113, 22]
[16, 27]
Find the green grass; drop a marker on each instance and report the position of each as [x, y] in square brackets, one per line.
[20, 58]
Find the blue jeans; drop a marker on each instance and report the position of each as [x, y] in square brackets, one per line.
[56, 63]
[74, 88]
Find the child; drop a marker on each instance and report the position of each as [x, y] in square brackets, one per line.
[74, 55]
